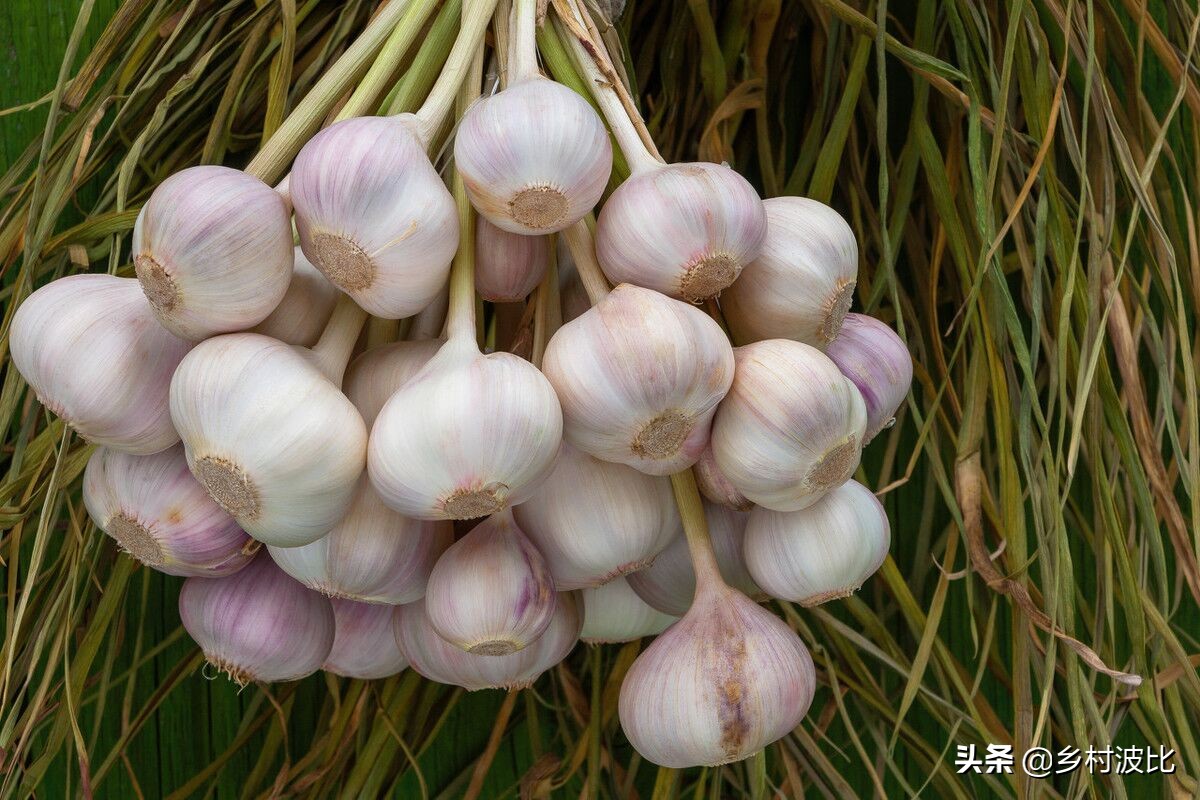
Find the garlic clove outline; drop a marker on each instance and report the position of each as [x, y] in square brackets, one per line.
[363, 644]
[305, 309]
[508, 266]
[875, 359]
[614, 613]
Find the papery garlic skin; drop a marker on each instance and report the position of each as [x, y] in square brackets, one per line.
[535, 157]
[272, 440]
[305, 308]
[669, 584]
[375, 375]
[614, 613]
[791, 427]
[440, 661]
[802, 283]
[491, 592]
[372, 555]
[876, 360]
[715, 486]
[639, 377]
[158, 513]
[686, 230]
[594, 521]
[466, 437]
[212, 249]
[721, 684]
[92, 351]
[822, 552]
[374, 215]
[364, 646]
[508, 266]
[258, 624]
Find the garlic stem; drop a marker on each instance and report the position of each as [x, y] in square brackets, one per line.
[332, 351]
[582, 245]
[366, 97]
[695, 528]
[502, 43]
[475, 18]
[382, 331]
[546, 317]
[460, 324]
[522, 50]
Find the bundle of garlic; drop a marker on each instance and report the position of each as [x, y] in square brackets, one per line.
[235, 407]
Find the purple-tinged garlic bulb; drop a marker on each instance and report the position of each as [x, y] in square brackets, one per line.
[363, 643]
[614, 613]
[871, 355]
[304, 310]
[715, 486]
[508, 266]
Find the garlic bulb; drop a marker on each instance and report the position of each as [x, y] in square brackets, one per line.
[722, 683]
[487, 429]
[93, 353]
[802, 283]
[614, 613]
[491, 593]
[372, 555]
[639, 377]
[508, 266]
[258, 624]
[440, 661]
[304, 310]
[271, 438]
[875, 359]
[363, 643]
[669, 584]
[373, 377]
[212, 249]
[594, 521]
[374, 215]
[822, 552]
[161, 516]
[791, 427]
[715, 486]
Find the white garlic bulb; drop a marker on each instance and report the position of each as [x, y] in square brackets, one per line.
[93, 353]
[374, 215]
[269, 436]
[715, 486]
[467, 436]
[594, 521]
[639, 377]
[719, 685]
[802, 283]
[363, 643]
[491, 593]
[258, 624]
[791, 427]
[158, 513]
[686, 230]
[372, 555]
[875, 359]
[508, 266]
[822, 552]
[212, 249]
[373, 377]
[669, 584]
[614, 613]
[440, 661]
[305, 308]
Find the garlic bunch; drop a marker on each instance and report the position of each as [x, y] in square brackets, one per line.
[258, 624]
[161, 516]
[875, 359]
[373, 377]
[594, 521]
[715, 486]
[212, 249]
[791, 427]
[491, 593]
[802, 283]
[669, 584]
[267, 433]
[822, 552]
[614, 613]
[363, 643]
[305, 308]
[440, 661]
[93, 353]
[508, 266]
[535, 157]
[639, 377]
[372, 555]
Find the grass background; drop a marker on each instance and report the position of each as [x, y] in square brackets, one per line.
[1084, 447]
